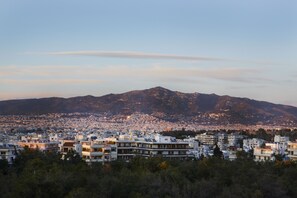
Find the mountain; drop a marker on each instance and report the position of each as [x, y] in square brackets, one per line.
[164, 104]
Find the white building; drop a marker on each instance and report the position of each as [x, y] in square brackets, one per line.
[207, 138]
[292, 150]
[98, 151]
[264, 154]
[281, 144]
[233, 139]
[249, 144]
[8, 152]
[152, 146]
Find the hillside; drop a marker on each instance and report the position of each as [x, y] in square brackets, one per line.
[164, 104]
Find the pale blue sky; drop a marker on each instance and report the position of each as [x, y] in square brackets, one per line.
[69, 47]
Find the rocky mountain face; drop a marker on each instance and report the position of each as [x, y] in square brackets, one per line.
[164, 104]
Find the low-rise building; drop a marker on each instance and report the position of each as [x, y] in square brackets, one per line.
[233, 139]
[249, 144]
[98, 151]
[125, 149]
[264, 154]
[170, 150]
[154, 146]
[42, 145]
[292, 150]
[66, 146]
[8, 152]
[207, 138]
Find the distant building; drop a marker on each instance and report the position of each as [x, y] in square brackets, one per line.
[281, 144]
[98, 151]
[170, 150]
[42, 145]
[66, 146]
[156, 146]
[249, 144]
[233, 139]
[8, 152]
[264, 154]
[207, 138]
[125, 149]
[281, 139]
[222, 140]
[292, 150]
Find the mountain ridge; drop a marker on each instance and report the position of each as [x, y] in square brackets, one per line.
[164, 104]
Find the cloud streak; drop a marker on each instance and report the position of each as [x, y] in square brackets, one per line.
[149, 56]
[70, 80]
[39, 82]
[87, 73]
[135, 55]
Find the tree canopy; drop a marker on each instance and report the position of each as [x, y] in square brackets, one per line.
[37, 174]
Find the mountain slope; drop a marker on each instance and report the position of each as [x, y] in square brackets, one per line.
[164, 104]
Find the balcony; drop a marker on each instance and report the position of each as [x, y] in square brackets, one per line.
[93, 160]
[96, 153]
[97, 146]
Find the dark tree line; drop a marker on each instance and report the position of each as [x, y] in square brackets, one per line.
[37, 174]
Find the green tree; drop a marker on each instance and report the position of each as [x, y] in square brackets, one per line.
[217, 152]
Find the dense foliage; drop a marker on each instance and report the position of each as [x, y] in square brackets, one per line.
[36, 174]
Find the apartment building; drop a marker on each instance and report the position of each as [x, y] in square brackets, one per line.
[154, 146]
[98, 151]
[233, 139]
[207, 138]
[170, 150]
[249, 144]
[126, 149]
[66, 146]
[42, 145]
[8, 152]
[292, 150]
[264, 154]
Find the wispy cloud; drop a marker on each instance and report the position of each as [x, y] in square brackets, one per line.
[70, 80]
[134, 55]
[78, 74]
[146, 55]
[38, 82]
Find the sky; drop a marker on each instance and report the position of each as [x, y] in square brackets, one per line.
[67, 48]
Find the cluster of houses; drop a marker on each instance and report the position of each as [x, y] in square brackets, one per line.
[110, 146]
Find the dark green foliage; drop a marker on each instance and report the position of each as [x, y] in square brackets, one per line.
[37, 174]
[262, 134]
[217, 152]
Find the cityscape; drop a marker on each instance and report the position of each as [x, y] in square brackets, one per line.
[148, 99]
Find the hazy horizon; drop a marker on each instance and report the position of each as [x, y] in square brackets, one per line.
[76, 48]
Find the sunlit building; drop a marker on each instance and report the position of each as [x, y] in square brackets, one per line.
[42, 145]
[98, 151]
[264, 154]
[292, 150]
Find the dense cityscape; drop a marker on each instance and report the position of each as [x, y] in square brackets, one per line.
[113, 134]
[148, 99]
[85, 155]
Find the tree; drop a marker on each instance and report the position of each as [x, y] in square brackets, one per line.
[217, 151]
[72, 157]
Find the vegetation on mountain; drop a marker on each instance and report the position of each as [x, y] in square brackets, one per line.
[163, 104]
[37, 174]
